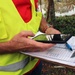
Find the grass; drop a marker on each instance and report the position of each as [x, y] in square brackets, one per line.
[52, 69]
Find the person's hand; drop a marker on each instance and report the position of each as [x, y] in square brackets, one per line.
[21, 42]
[51, 30]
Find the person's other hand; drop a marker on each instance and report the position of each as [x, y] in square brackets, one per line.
[21, 42]
[51, 30]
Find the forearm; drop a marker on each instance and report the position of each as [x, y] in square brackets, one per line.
[5, 47]
[43, 25]
[48, 29]
[16, 44]
[20, 42]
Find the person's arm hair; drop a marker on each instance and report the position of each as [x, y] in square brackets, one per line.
[21, 42]
[6, 47]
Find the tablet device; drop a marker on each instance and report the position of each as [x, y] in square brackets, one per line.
[52, 38]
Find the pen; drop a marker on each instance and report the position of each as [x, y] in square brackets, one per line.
[68, 46]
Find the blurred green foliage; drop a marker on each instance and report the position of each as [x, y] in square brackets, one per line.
[65, 24]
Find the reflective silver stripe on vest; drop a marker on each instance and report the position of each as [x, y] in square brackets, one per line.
[15, 66]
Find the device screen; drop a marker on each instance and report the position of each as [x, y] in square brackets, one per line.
[52, 38]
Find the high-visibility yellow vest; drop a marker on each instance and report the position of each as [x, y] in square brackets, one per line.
[11, 24]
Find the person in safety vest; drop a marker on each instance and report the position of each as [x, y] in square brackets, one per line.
[19, 20]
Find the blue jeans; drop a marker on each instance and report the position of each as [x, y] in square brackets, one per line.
[37, 70]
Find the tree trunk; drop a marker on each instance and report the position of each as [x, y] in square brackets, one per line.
[40, 2]
[51, 12]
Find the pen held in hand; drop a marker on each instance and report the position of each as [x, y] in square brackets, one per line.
[68, 46]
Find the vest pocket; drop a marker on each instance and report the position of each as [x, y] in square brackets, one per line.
[3, 33]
